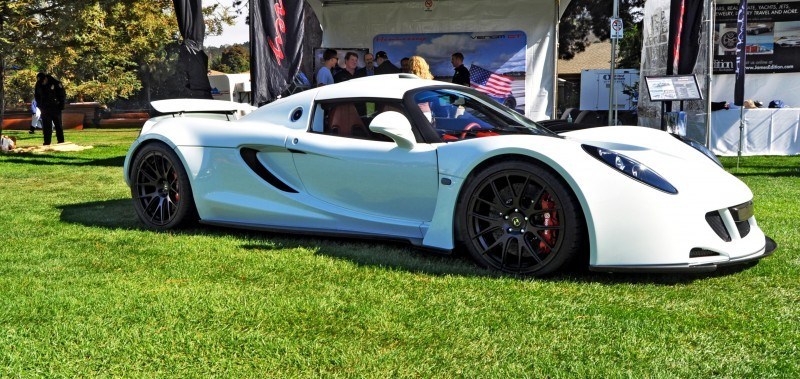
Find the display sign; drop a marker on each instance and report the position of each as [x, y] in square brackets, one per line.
[773, 38]
[672, 88]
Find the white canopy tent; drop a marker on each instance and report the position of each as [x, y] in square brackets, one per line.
[354, 23]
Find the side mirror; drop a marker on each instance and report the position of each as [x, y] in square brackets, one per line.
[395, 126]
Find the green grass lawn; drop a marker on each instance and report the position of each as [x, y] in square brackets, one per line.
[86, 291]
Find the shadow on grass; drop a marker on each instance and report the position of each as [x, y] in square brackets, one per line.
[779, 174]
[393, 255]
[112, 214]
[665, 279]
[50, 159]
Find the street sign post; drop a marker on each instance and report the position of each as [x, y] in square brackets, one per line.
[616, 28]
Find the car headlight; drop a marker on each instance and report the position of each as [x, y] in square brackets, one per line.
[630, 168]
[699, 147]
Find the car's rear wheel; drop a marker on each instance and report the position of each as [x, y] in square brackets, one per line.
[162, 195]
[519, 218]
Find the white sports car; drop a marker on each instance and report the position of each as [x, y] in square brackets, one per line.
[445, 167]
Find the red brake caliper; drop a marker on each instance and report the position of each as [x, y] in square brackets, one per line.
[177, 194]
[550, 219]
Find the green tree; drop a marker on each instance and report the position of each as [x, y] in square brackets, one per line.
[101, 49]
[586, 18]
[233, 59]
[630, 47]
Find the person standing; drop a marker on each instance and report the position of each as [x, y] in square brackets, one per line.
[461, 75]
[369, 67]
[36, 117]
[419, 67]
[404, 65]
[349, 70]
[50, 97]
[385, 66]
[329, 59]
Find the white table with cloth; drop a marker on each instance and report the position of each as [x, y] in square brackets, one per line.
[771, 131]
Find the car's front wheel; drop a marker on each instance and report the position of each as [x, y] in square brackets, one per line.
[519, 218]
[162, 195]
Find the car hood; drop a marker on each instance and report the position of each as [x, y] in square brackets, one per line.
[682, 165]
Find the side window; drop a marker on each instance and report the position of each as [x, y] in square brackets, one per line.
[351, 119]
[454, 114]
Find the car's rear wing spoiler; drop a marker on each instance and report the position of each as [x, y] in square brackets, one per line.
[180, 106]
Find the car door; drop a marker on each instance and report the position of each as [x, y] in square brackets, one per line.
[365, 175]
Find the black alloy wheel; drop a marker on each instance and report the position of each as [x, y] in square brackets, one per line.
[160, 188]
[519, 218]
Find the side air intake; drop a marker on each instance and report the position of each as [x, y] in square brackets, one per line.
[250, 157]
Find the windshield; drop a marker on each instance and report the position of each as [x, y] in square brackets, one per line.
[457, 115]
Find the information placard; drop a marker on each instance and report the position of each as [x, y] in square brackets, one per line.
[673, 88]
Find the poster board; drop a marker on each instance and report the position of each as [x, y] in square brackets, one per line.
[673, 88]
[498, 55]
[773, 37]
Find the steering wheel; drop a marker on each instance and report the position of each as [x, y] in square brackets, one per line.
[470, 126]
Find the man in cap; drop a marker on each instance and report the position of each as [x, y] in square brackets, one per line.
[385, 66]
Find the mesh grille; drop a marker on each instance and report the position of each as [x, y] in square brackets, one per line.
[715, 221]
[697, 253]
[744, 228]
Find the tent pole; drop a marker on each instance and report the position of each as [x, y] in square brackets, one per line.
[556, 22]
[712, 10]
[612, 101]
[741, 134]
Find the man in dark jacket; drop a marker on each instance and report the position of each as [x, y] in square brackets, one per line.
[369, 67]
[461, 75]
[385, 66]
[349, 70]
[50, 97]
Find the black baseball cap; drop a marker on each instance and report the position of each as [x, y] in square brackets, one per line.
[381, 54]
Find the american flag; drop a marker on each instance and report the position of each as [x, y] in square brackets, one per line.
[488, 82]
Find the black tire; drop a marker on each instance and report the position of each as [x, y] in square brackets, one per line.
[587, 117]
[570, 112]
[518, 218]
[162, 195]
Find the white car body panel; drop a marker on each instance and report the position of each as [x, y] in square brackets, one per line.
[376, 188]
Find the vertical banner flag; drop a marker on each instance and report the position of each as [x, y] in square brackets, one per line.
[741, 42]
[677, 10]
[276, 40]
[192, 58]
[686, 18]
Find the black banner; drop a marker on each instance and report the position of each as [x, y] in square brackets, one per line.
[741, 56]
[276, 40]
[686, 18]
[772, 38]
[192, 58]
